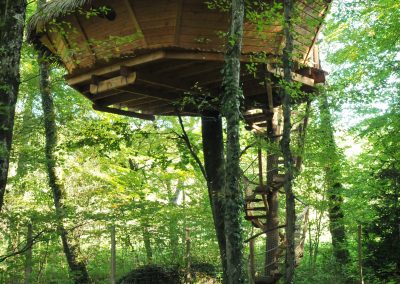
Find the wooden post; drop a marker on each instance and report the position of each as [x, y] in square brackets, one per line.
[260, 167]
[113, 256]
[360, 256]
[28, 255]
[188, 279]
[252, 267]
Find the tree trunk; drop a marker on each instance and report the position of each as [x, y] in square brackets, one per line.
[360, 254]
[147, 243]
[113, 256]
[214, 163]
[231, 110]
[28, 255]
[272, 240]
[24, 154]
[285, 144]
[12, 20]
[335, 188]
[188, 258]
[76, 264]
[173, 226]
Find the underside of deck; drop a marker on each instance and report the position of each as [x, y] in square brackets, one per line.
[167, 82]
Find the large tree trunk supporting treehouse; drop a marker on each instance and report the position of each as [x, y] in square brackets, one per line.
[290, 262]
[76, 264]
[231, 110]
[214, 164]
[12, 20]
[335, 188]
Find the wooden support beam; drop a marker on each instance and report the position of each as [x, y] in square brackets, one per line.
[270, 96]
[154, 107]
[277, 71]
[120, 98]
[137, 104]
[112, 84]
[124, 112]
[139, 60]
[163, 84]
[146, 92]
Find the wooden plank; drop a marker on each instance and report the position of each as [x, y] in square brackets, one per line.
[113, 83]
[48, 43]
[139, 60]
[132, 15]
[206, 67]
[174, 67]
[151, 107]
[84, 34]
[178, 22]
[187, 55]
[136, 104]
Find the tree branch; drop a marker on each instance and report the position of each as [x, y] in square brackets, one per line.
[185, 138]
[28, 245]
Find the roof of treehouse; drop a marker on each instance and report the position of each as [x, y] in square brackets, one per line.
[140, 57]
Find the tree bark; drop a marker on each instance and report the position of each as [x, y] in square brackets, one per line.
[214, 163]
[24, 153]
[335, 188]
[147, 243]
[12, 20]
[290, 262]
[231, 110]
[76, 264]
[28, 255]
[360, 254]
[272, 240]
[113, 256]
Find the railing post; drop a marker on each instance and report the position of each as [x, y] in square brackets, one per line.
[252, 267]
[360, 256]
[188, 277]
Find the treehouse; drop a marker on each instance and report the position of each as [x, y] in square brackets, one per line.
[144, 58]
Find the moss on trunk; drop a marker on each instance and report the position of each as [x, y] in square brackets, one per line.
[12, 19]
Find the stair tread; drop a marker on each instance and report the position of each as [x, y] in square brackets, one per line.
[254, 200]
[255, 217]
[256, 209]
